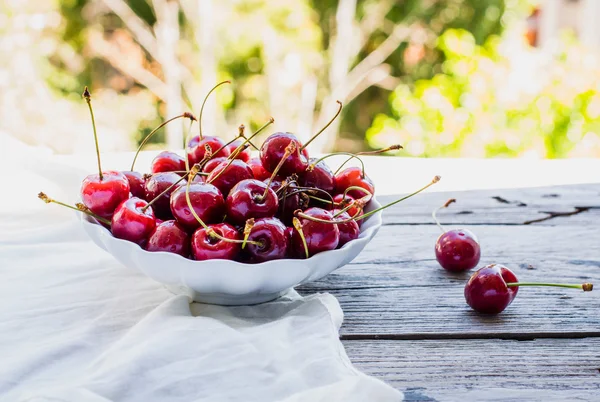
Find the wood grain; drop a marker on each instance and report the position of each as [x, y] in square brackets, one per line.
[396, 286]
[499, 370]
[502, 207]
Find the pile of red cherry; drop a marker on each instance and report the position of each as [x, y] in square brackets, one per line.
[218, 202]
[490, 289]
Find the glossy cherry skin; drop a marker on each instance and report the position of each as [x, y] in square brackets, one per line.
[320, 177]
[196, 153]
[205, 247]
[129, 222]
[167, 161]
[289, 200]
[271, 232]
[206, 200]
[170, 237]
[348, 230]
[136, 183]
[213, 163]
[231, 175]
[102, 197]
[155, 185]
[350, 177]
[486, 292]
[319, 236]
[244, 155]
[258, 170]
[273, 150]
[245, 201]
[457, 250]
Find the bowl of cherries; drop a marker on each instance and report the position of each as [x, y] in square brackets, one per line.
[228, 228]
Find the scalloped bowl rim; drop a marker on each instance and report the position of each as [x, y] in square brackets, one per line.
[373, 224]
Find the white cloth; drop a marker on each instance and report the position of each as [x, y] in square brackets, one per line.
[75, 325]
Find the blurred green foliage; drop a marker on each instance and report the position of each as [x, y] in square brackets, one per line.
[499, 99]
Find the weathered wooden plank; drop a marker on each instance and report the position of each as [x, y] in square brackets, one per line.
[508, 207]
[499, 370]
[396, 287]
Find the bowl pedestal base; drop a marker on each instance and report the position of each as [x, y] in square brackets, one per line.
[224, 299]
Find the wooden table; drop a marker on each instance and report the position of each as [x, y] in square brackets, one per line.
[407, 323]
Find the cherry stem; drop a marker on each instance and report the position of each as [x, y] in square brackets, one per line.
[209, 231]
[324, 128]
[586, 287]
[247, 140]
[185, 146]
[145, 140]
[247, 230]
[241, 135]
[357, 188]
[290, 149]
[88, 99]
[379, 151]
[80, 208]
[435, 211]
[204, 103]
[351, 155]
[366, 215]
[298, 226]
[301, 190]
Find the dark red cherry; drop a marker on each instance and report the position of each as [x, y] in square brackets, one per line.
[102, 197]
[457, 250]
[244, 155]
[155, 185]
[207, 247]
[132, 222]
[226, 175]
[136, 183]
[319, 236]
[320, 177]
[213, 163]
[486, 291]
[196, 154]
[168, 161]
[273, 240]
[353, 177]
[273, 150]
[170, 237]
[246, 201]
[289, 200]
[348, 230]
[207, 201]
[258, 171]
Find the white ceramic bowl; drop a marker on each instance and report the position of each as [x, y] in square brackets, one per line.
[230, 282]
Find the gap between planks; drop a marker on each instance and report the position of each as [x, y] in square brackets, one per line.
[491, 335]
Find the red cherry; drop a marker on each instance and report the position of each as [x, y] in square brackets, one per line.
[353, 177]
[169, 237]
[273, 150]
[212, 164]
[155, 185]
[273, 240]
[167, 161]
[196, 154]
[229, 173]
[320, 176]
[246, 201]
[136, 183]
[348, 230]
[132, 222]
[193, 141]
[207, 247]
[207, 201]
[259, 172]
[457, 250]
[244, 155]
[319, 236]
[103, 196]
[289, 200]
[486, 291]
